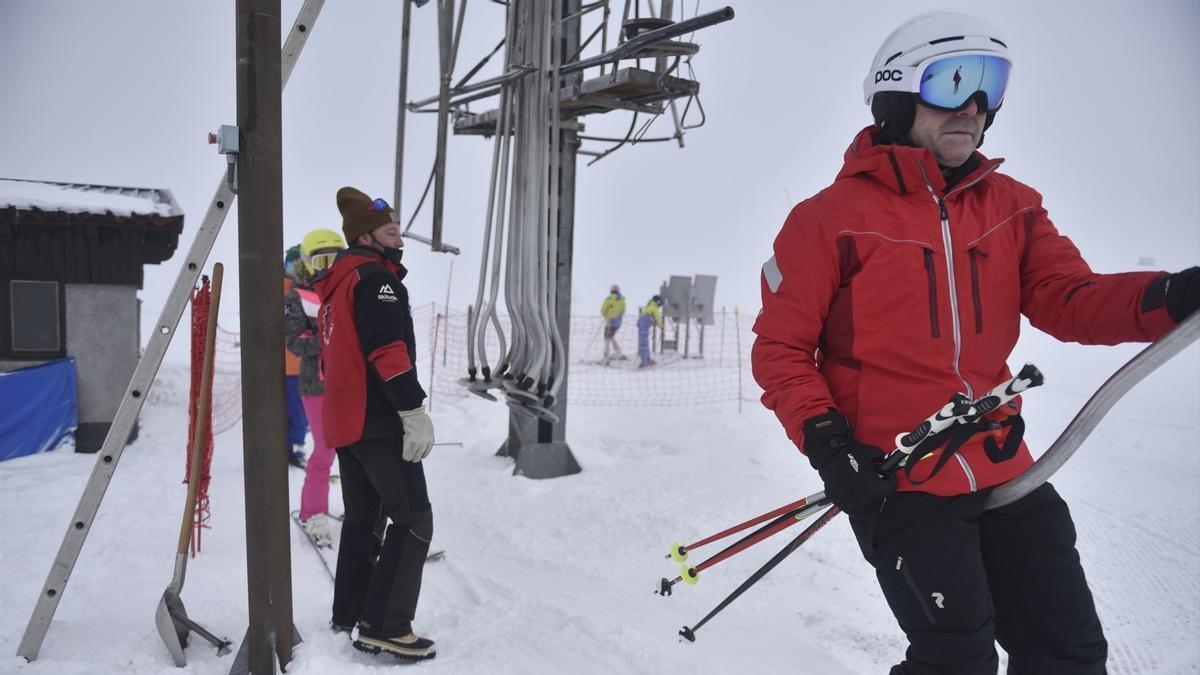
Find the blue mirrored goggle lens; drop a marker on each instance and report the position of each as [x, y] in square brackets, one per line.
[948, 83]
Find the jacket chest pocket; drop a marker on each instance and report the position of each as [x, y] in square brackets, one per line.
[974, 254]
[931, 277]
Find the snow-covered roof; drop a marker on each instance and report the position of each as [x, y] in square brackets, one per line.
[26, 195]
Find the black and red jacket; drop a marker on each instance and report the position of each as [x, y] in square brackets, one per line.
[888, 292]
[368, 350]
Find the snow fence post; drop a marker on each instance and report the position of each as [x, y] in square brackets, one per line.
[737, 329]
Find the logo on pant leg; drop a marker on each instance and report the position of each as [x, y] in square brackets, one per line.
[938, 599]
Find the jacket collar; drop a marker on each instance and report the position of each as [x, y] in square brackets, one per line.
[902, 169]
[350, 260]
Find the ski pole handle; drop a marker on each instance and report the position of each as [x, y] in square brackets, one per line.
[1028, 378]
[958, 407]
[960, 410]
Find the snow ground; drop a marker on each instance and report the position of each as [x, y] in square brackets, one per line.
[557, 576]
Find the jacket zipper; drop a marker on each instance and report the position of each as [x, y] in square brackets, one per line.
[934, 329]
[956, 331]
[962, 461]
[912, 584]
[948, 243]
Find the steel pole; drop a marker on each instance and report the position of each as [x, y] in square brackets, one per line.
[402, 109]
[446, 44]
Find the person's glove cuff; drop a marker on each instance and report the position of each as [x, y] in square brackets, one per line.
[825, 435]
[419, 410]
[1181, 293]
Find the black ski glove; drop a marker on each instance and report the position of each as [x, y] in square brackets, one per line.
[848, 468]
[1183, 293]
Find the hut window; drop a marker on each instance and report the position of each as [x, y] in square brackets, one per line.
[35, 316]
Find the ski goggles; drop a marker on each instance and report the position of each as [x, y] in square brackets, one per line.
[322, 260]
[377, 205]
[947, 82]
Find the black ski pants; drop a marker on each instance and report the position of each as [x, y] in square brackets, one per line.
[377, 586]
[959, 579]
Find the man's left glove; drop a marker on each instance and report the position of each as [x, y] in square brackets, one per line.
[418, 434]
[1183, 293]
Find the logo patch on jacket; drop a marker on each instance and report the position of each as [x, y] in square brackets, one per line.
[386, 293]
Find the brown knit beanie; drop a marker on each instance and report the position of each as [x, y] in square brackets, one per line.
[360, 214]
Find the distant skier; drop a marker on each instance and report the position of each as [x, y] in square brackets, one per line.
[649, 315]
[375, 417]
[612, 310]
[903, 283]
[318, 250]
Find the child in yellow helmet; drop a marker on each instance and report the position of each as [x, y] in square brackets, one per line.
[318, 250]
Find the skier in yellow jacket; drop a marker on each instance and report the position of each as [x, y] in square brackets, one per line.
[650, 315]
[612, 310]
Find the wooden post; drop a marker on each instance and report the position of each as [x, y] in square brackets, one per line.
[260, 244]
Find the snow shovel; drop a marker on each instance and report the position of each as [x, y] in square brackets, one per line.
[170, 617]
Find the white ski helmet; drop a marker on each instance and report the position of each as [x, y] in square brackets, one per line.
[943, 58]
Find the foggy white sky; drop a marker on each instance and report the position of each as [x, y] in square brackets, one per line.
[1101, 117]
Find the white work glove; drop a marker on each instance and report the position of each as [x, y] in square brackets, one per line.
[418, 434]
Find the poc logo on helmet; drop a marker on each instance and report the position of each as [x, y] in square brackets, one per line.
[888, 76]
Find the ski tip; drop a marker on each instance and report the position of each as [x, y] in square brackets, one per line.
[688, 634]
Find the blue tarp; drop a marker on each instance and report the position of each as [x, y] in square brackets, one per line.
[37, 408]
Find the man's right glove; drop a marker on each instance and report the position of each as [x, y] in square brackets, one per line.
[418, 434]
[848, 468]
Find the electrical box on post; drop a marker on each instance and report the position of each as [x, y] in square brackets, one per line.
[226, 139]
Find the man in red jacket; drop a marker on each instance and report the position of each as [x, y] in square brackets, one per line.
[374, 416]
[903, 283]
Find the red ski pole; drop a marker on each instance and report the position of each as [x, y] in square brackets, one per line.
[679, 552]
[690, 575]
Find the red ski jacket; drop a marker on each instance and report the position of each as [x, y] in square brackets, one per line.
[368, 350]
[887, 293]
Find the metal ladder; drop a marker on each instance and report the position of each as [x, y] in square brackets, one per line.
[143, 376]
